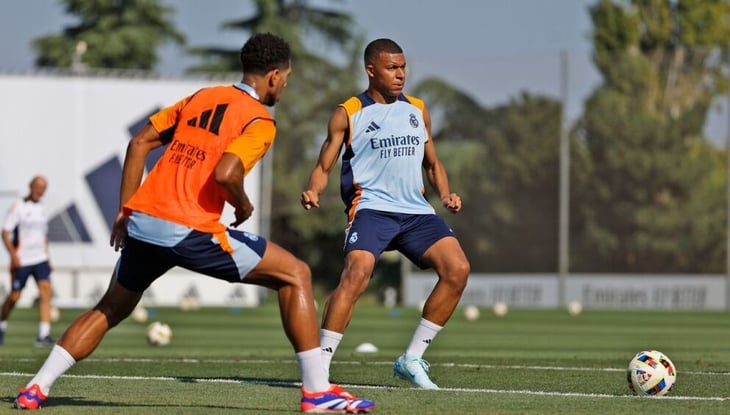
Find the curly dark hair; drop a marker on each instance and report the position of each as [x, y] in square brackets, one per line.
[264, 52]
[378, 46]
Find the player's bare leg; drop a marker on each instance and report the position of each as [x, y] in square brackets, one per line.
[292, 279]
[79, 340]
[83, 336]
[354, 281]
[340, 304]
[449, 261]
[44, 300]
[9, 304]
[7, 308]
[44, 314]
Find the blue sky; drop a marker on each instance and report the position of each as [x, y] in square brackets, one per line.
[495, 49]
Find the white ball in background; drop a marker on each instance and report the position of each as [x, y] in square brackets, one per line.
[55, 314]
[158, 334]
[194, 303]
[471, 312]
[139, 314]
[420, 305]
[500, 309]
[575, 308]
[185, 304]
[366, 348]
[188, 303]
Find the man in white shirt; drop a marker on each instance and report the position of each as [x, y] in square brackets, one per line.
[25, 236]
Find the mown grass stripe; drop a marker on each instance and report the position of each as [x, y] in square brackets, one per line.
[376, 363]
[298, 384]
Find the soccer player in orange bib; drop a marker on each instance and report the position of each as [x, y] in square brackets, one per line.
[172, 218]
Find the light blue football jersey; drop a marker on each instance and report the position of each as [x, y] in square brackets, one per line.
[381, 165]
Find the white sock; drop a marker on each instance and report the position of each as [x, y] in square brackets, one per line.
[422, 337]
[57, 362]
[44, 329]
[4, 325]
[310, 366]
[328, 341]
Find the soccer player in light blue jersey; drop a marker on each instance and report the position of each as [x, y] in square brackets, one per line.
[385, 140]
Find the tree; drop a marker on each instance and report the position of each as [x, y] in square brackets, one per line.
[522, 142]
[455, 115]
[504, 163]
[295, 21]
[319, 37]
[120, 34]
[646, 184]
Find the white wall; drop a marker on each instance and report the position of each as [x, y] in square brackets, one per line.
[64, 128]
[597, 291]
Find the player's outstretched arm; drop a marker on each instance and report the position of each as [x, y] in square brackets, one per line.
[229, 173]
[436, 173]
[146, 140]
[328, 154]
[10, 247]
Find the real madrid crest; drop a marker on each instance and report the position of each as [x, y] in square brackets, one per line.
[413, 120]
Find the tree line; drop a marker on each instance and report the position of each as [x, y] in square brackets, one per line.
[647, 189]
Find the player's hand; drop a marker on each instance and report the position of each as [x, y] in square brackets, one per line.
[242, 213]
[119, 231]
[452, 202]
[310, 199]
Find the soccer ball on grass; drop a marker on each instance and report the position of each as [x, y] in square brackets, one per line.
[471, 312]
[140, 314]
[158, 334]
[651, 373]
[574, 308]
[500, 309]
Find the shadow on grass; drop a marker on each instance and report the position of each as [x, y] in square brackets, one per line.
[81, 402]
[78, 401]
[276, 383]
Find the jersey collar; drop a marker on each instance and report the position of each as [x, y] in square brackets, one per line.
[247, 89]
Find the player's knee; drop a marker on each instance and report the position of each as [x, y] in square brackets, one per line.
[116, 316]
[302, 272]
[13, 297]
[112, 315]
[355, 280]
[463, 268]
[114, 311]
[456, 274]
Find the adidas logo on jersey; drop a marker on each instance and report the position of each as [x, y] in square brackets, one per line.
[372, 127]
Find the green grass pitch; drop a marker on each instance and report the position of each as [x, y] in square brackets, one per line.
[237, 361]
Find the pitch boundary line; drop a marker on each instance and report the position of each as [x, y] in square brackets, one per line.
[384, 387]
[375, 363]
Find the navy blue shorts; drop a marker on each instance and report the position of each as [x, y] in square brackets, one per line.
[227, 256]
[40, 271]
[376, 231]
